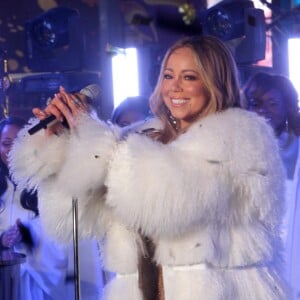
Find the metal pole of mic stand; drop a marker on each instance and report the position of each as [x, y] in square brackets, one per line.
[75, 245]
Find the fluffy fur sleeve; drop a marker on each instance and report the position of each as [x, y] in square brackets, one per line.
[36, 157]
[82, 174]
[90, 149]
[73, 164]
[258, 174]
[224, 166]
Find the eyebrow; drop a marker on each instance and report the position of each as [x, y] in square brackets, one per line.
[190, 70]
[182, 71]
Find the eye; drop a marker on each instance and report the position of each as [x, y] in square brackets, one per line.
[190, 77]
[167, 76]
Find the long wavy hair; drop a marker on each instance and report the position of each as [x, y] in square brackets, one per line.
[218, 73]
[28, 199]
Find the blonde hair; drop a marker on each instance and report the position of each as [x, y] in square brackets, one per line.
[218, 72]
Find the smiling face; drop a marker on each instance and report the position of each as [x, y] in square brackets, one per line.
[271, 106]
[8, 135]
[182, 89]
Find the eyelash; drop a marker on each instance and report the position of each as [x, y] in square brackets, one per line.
[186, 77]
[190, 77]
[167, 76]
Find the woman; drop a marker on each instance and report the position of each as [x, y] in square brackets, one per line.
[131, 110]
[275, 98]
[43, 273]
[186, 196]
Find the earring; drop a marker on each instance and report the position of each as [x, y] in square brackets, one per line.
[287, 127]
[173, 120]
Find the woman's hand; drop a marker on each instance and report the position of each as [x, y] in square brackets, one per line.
[65, 107]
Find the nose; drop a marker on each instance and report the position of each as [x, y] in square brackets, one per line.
[176, 86]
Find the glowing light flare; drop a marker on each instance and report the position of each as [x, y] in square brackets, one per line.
[125, 75]
[294, 62]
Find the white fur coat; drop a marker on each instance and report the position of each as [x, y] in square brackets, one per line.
[211, 200]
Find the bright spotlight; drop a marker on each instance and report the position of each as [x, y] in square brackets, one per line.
[294, 62]
[125, 75]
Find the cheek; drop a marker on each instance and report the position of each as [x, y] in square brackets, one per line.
[164, 92]
[165, 88]
[276, 112]
[196, 89]
[200, 95]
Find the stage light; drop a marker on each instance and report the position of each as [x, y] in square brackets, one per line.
[54, 40]
[240, 25]
[125, 74]
[294, 62]
[225, 20]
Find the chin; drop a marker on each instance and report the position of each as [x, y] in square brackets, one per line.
[180, 115]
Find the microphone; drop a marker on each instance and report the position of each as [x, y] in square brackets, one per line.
[91, 91]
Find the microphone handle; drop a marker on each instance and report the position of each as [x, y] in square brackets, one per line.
[43, 124]
[91, 91]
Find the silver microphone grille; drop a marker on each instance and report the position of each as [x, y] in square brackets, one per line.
[92, 91]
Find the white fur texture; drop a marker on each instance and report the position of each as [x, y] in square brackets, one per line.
[89, 151]
[120, 249]
[125, 288]
[253, 283]
[214, 195]
[224, 173]
[63, 167]
[35, 157]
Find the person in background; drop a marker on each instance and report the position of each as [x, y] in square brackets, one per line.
[49, 270]
[43, 273]
[275, 98]
[182, 202]
[131, 110]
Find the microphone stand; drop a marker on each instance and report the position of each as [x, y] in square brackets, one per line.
[75, 245]
[4, 83]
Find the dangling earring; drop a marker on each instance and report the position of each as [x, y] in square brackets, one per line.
[287, 128]
[172, 120]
